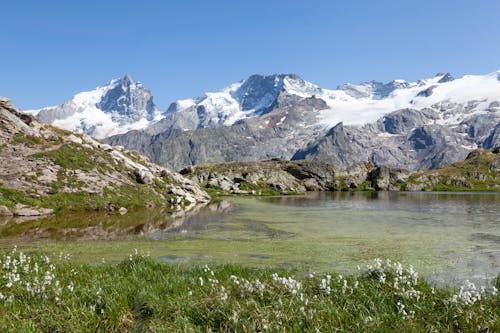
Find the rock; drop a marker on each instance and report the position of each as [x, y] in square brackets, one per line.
[73, 138]
[226, 184]
[415, 187]
[238, 191]
[427, 92]
[4, 211]
[388, 179]
[312, 185]
[144, 176]
[23, 210]
[122, 210]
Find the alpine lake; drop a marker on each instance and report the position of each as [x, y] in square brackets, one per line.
[447, 236]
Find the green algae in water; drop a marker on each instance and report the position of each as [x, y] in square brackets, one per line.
[446, 236]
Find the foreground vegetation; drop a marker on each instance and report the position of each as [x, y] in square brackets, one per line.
[38, 293]
[480, 171]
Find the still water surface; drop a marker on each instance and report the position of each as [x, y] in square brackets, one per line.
[448, 237]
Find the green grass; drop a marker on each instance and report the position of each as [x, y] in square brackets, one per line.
[261, 188]
[141, 295]
[10, 197]
[71, 156]
[128, 196]
[28, 140]
[462, 176]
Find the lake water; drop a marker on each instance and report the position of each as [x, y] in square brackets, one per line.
[448, 237]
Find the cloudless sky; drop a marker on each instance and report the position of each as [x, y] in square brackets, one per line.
[51, 50]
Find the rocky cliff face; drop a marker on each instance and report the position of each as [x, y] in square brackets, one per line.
[277, 134]
[115, 108]
[44, 169]
[408, 138]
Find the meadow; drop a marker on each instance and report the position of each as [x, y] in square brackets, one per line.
[40, 293]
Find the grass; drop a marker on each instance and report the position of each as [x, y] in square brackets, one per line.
[41, 294]
[128, 196]
[471, 175]
[28, 140]
[71, 156]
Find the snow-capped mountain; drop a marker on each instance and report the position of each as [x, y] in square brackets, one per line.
[115, 108]
[352, 104]
[252, 97]
[422, 124]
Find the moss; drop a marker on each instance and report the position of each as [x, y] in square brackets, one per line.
[216, 193]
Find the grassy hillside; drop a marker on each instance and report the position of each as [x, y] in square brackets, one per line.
[480, 171]
[44, 169]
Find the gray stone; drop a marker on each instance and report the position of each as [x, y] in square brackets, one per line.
[23, 210]
[4, 211]
[144, 176]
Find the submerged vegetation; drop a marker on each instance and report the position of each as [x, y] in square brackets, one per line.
[38, 293]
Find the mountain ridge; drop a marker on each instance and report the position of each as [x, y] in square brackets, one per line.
[407, 129]
[416, 125]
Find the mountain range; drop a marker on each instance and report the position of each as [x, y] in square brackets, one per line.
[414, 125]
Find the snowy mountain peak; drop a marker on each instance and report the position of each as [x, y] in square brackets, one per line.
[445, 77]
[115, 108]
[123, 104]
[373, 89]
[127, 80]
[251, 97]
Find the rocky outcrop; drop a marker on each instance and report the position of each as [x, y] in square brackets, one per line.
[44, 170]
[263, 178]
[479, 172]
[24, 210]
[5, 211]
[388, 179]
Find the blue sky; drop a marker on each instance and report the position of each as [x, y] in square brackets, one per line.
[52, 50]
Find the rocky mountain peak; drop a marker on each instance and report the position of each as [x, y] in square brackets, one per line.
[127, 80]
[445, 77]
[128, 102]
[115, 108]
[373, 89]
[258, 91]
